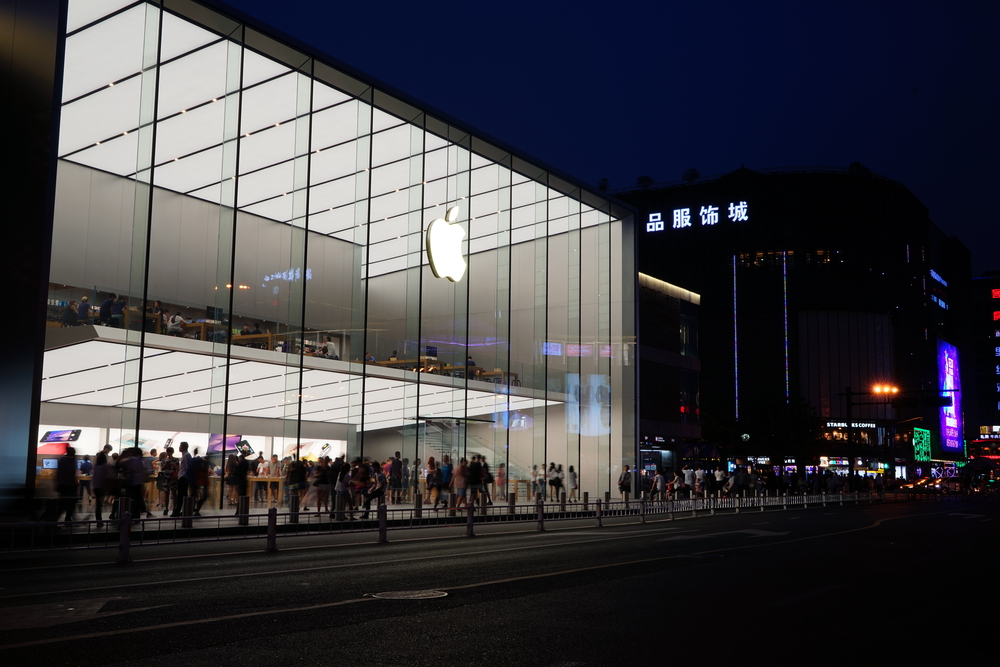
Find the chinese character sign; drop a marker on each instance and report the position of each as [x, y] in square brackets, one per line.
[655, 223]
[709, 215]
[950, 385]
[682, 217]
[738, 212]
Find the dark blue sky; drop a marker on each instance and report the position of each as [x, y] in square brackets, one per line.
[612, 90]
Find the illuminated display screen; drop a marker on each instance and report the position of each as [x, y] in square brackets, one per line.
[921, 444]
[950, 384]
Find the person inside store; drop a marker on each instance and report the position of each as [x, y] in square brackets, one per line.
[369, 358]
[105, 312]
[69, 315]
[256, 329]
[118, 313]
[246, 330]
[175, 323]
[470, 362]
[83, 311]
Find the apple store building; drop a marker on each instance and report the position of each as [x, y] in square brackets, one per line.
[233, 240]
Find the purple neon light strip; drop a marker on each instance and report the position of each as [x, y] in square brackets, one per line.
[784, 289]
[736, 347]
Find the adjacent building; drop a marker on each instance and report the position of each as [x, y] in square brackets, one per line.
[813, 283]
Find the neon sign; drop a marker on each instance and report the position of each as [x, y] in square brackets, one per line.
[707, 216]
[921, 444]
[937, 276]
[950, 383]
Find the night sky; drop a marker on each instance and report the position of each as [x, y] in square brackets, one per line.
[910, 89]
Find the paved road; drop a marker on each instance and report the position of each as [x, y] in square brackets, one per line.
[835, 584]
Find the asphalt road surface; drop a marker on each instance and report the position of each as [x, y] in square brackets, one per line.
[837, 585]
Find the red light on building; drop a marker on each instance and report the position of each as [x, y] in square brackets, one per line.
[996, 294]
[996, 315]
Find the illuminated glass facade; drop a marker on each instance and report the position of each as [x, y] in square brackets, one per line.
[206, 167]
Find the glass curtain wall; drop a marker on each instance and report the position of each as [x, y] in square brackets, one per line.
[280, 208]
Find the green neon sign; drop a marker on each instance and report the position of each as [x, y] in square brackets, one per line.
[921, 444]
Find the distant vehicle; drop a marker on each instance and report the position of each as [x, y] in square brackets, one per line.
[926, 485]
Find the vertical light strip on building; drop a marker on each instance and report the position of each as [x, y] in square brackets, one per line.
[736, 348]
[784, 294]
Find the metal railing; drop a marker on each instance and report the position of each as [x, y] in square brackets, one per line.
[127, 532]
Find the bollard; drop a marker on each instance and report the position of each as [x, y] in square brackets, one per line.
[586, 498]
[451, 504]
[383, 522]
[418, 506]
[338, 504]
[713, 500]
[511, 499]
[124, 505]
[607, 497]
[841, 496]
[761, 499]
[293, 508]
[597, 505]
[784, 501]
[541, 516]
[124, 538]
[482, 505]
[824, 499]
[626, 500]
[272, 530]
[243, 510]
[562, 501]
[187, 510]
[539, 498]
[470, 531]
[642, 511]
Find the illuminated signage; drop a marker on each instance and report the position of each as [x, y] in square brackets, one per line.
[854, 424]
[939, 302]
[996, 294]
[444, 247]
[937, 276]
[706, 216]
[291, 275]
[921, 444]
[950, 383]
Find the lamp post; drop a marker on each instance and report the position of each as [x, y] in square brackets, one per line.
[883, 394]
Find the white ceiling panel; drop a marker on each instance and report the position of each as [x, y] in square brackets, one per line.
[261, 149]
[106, 52]
[117, 156]
[378, 252]
[389, 178]
[332, 195]
[192, 80]
[391, 145]
[257, 68]
[382, 120]
[191, 172]
[325, 96]
[82, 12]
[269, 103]
[327, 222]
[390, 205]
[335, 126]
[326, 165]
[180, 36]
[190, 132]
[266, 183]
[85, 382]
[190, 401]
[279, 208]
[100, 116]
[384, 230]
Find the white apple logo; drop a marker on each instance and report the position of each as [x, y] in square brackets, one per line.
[444, 247]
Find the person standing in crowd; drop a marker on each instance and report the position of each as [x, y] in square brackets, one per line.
[103, 473]
[501, 480]
[699, 481]
[183, 478]
[396, 479]
[321, 480]
[66, 485]
[295, 480]
[135, 477]
[625, 483]
[104, 314]
[240, 473]
[83, 311]
[447, 474]
[551, 476]
[86, 470]
[459, 481]
[375, 492]
[343, 488]
[199, 481]
[573, 482]
[274, 471]
[537, 480]
[659, 486]
[487, 481]
[167, 478]
[427, 483]
[475, 480]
